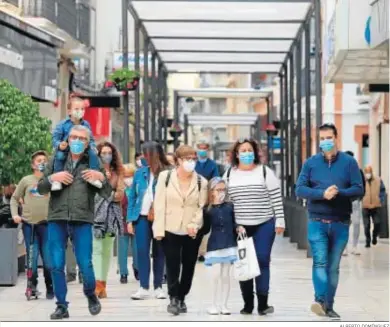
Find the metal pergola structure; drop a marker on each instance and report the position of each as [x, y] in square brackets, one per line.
[229, 36]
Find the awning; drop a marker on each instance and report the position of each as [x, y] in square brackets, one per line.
[216, 93]
[222, 36]
[230, 119]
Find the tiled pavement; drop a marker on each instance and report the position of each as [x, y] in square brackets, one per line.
[363, 293]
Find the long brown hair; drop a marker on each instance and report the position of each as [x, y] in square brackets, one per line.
[156, 157]
[116, 162]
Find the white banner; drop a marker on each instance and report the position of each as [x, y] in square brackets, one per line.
[11, 58]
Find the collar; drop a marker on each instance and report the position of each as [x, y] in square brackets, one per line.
[69, 119]
[333, 158]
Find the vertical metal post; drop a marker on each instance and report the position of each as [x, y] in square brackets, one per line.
[282, 131]
[137, 104]
[286, 130]
[292, 124]
[269, 137]
[318, 38]
[146, 88]
[153, 98]
[159, 101]
[125, 49]
[176, 115]
[186, 129]
[307, 89]
[299, 104]
[165, 106]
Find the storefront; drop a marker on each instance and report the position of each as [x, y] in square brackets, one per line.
[28, 58]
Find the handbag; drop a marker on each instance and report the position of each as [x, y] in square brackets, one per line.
[247, 266]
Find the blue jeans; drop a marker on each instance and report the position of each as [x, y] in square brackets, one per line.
[263, 239]
[81, 237]
[124, 241]
[327, 242]
[40, 247]
[60, 159]
[143, 237]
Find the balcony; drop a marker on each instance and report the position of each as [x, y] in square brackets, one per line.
[70, 16]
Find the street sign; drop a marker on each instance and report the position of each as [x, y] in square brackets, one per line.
[275, 144]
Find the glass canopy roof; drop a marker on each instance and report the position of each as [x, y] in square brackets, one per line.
[222, 36]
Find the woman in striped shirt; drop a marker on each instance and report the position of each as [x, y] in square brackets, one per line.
[255, 192]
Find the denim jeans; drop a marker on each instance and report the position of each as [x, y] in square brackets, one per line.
[81, 237]
[60, 159]
[143, 237]
[263, 239]
[40, 247]
[327, 242]
[123, 249]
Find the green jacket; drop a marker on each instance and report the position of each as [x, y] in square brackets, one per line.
[74, 202]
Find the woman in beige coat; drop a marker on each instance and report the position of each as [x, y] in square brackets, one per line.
[178, 207]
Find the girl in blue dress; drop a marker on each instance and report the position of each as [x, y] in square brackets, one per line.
[222, 244]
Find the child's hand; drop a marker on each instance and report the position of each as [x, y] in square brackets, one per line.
[241, 230]
[63, 145]
[130, 228]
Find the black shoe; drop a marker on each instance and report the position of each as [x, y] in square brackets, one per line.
[173, 307]
[123, 279]
[61, 312]
[246, 311]
[249, 299]
[332, 314]
[368, 244]
[70, 278]
[49, 294]
[319, 309]
[374, 241]
[164, 279]
[80, 278]
[136, 275]
[182, 307]
[201, 258]
[94, 305]
[262, 305]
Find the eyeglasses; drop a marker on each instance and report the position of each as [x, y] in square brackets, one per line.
[81, 138]
[190, 158]
[220, 190]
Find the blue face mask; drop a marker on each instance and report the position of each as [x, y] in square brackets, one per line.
[327, 145]
[41, 167]
[107, 158]
[76, 146]
[247, 158]
[144, 162]
[202, 154]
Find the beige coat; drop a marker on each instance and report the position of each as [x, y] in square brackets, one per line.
[372, 199]
[174, 212]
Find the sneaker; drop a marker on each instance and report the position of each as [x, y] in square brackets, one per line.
[141, 294]
[374, 241]
[123, 279]
[173, 307]
[182, 307]
[70, 278]
[368, 244]
[201, 258]
[333, 315]
[225, 311]
[80, 277]
[136, 274]
[318, 308]
[61, 312]
[49, 294]
[56, 186]
[160, 294]
[355, 251]
[213, 311]
[96, 183]
[94, 305]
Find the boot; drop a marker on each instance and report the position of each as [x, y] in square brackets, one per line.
[60, 312]
[248, 296]
[103, 293]
[99, 288]
[262, 305]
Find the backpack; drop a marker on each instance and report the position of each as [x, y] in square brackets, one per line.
[169, 178]
[230, 169]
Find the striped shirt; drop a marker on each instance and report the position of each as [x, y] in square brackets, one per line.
[255, 200]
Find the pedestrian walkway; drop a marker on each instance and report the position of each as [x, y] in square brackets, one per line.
[363, 294]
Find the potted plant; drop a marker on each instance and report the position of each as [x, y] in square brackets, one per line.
[124, 79]
[175, 130]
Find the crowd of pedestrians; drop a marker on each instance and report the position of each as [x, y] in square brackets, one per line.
[175, 209]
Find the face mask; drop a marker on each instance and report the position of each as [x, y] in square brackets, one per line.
[41, 167]
[107, 158]
[77, 114]
[144, 162]
[221, 197]
[139, 163]
[247, 158]
[202, 153]
[189, 166]
[76, 146]
[368, 176]
[327, 145]
[128, 181]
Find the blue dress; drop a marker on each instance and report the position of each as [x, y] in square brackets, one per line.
[222, 243]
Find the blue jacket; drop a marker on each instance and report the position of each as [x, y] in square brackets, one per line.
[208, 169]
[137, 192]
[318, 174]
[62, 130]
[220, 219]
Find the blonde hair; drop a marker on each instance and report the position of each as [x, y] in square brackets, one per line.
[129, 170]
[184, 151]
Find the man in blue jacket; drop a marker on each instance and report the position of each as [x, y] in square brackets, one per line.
[330, 181]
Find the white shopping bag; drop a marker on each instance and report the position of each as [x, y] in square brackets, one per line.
[247, 266]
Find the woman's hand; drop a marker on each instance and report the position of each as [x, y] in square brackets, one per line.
[192, 232]
[279, 230]
[130, 228]
[158, 238]
[241, 230]
[108, 174]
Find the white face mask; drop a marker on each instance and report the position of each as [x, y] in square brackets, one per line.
[78, 114]
[221, 197]
[128, 181]
[189, 165]
[368, 176]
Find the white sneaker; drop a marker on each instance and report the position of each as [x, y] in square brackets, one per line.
[96, 183]
[56, 186]
[225, 311]
[355, 251]
[141, 294]
[213, 311]
[159, 293]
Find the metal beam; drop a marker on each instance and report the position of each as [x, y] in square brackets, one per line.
[165, 109]
[146, 88]
[281, 114]
[226, 62]
[153, 97]
[159, 102]
[299, 104]
[286, 131]
[307, 90]
[176, 115]
[318, 57]
[218, 51]
[224, 21]
[125, 63]
[221, 72]
[137, 104]
[292, 125]
[249, 1]
[217, 38]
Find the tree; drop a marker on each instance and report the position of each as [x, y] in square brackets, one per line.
[22, 132]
